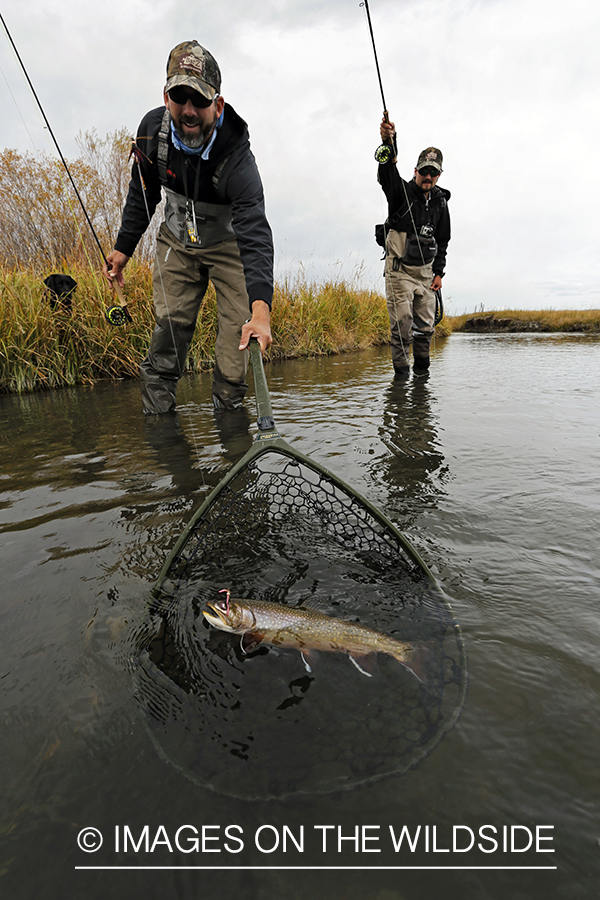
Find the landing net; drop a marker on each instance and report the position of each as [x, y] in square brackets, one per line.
[282, 528]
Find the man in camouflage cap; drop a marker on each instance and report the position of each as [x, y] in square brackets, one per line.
[196, 148]
[192, 65]
[415, 237]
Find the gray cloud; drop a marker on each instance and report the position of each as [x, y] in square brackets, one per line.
[508, 89]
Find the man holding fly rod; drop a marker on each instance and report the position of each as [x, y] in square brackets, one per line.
[415, 237]
[197, 148]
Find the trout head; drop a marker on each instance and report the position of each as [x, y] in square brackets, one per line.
[230, 615]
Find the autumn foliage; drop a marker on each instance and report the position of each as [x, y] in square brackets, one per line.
[42, 222]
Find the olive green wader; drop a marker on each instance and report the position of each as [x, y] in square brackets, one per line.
[180, 280]
[411, 306]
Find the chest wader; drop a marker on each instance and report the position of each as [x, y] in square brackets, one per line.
[196, 242]
[411, 306]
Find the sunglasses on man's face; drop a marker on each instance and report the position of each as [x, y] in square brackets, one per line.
[181, 95]
[429, 170]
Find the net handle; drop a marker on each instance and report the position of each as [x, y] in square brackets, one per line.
[265, 420]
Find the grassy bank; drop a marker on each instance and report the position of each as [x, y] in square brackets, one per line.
[565, 320]
[44, 348]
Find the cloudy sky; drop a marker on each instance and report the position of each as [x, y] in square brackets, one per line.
[508, 89]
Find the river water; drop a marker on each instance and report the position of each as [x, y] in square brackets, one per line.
[490, 467]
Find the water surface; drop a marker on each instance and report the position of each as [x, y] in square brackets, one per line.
[490, 467]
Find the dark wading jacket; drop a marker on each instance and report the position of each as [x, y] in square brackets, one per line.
[238, 186]
[433, 212]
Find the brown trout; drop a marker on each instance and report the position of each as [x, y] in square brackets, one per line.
[306, 630]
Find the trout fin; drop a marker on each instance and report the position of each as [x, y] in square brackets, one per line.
[305, 657]
[250, 641]
[365, 664]
[417, 663]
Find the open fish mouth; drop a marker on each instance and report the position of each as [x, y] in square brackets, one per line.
[216, 616]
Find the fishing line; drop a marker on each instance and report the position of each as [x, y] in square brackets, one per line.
[116, 315]
[386, 153]
[383, 152]
[18, 109]
[59, 170]
[136, 153]
[386, 116]
[60, 174]
[314, 530]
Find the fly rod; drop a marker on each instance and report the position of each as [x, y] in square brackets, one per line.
[384, 152]
[116, 315]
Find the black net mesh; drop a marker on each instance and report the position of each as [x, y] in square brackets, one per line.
[260, 723]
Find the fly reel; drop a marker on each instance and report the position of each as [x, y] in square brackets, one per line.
[118, 315]
[383, 153]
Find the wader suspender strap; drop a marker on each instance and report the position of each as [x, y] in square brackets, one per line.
[398, 215]
[163, 146]
[163, 152]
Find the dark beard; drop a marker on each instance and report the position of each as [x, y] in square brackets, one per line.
[195, 142]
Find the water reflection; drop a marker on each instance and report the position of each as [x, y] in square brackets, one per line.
[233, 428]
[178, 441]
[174, 452]
[414, 471]
[88, 505]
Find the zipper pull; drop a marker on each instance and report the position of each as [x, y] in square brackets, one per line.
[190, 223]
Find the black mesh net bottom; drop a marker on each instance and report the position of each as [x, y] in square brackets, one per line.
[260, 725]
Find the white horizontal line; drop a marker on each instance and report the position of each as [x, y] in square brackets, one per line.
[324, 868]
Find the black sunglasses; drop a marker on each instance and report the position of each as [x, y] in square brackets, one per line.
[429, 170]
[181, 95]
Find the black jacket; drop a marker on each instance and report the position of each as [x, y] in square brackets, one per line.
[238, 185]
[424, 212]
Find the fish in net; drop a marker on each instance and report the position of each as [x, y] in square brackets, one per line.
[281, 528]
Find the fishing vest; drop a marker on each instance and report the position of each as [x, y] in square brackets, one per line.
[418, 222]
[428, 215]
[213, 222]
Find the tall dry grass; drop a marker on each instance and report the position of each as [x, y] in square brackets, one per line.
[44, 230]
[551, 320]
[43, 348]
[310, 319]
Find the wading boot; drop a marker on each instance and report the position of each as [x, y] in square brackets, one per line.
[421, 365]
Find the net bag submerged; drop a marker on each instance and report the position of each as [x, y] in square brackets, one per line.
[282, 528]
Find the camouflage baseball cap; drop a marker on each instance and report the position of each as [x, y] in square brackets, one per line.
[192, 65]
[431, 156]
